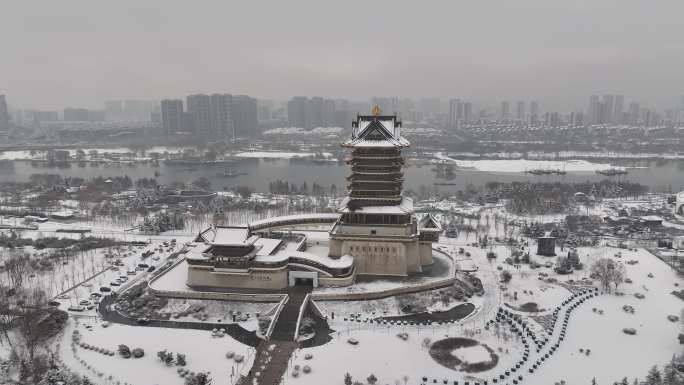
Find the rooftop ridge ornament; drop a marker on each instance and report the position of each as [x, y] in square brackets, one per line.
[376, 111]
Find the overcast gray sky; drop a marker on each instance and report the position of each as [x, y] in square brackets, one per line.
[82, 52]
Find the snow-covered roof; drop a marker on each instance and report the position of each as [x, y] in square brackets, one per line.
[267, 245]
[293, 219]
[377, 131]
[405, 207]
[345, 261]
[652, 218]
[429, 223]
[233, 235]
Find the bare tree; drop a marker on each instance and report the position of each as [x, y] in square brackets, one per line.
[608, 272]
[17, 267]
[30, 313]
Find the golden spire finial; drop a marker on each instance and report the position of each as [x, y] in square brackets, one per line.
[376, 110]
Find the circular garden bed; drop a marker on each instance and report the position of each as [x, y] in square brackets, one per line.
[463, 354]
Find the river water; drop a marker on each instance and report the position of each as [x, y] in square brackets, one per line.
[662, 175]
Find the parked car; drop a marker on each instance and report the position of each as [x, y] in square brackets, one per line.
[114, 283]
[143, 321]
[53, 303]
[95, 294]
[105, 289]
[130, 272]
[151, 269]
[76, 308]
[143, 265]
[84, 302]
[123, 278]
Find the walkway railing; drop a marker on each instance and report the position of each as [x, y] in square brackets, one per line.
[274, 318]
[305, 303]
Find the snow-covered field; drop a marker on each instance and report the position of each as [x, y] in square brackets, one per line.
[381, 352]
[204, 354]
[278, 154]
[522, 165]
[614, 354]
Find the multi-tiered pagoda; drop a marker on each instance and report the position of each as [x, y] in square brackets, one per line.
[377, 225]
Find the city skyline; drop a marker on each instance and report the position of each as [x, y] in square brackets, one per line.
[556, 53]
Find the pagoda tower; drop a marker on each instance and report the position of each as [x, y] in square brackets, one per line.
[377, 225]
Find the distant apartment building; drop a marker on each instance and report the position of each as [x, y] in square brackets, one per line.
[505, 112]
[312, 112]
[520, 111]
[618, 111]
[456, 113]
[607, 109]
[220, 117]
[296, 111]
[199, 107]
[36, 117]
[594, 110]
[4, 114]
[244, 116]
[172, 116]
[534, 112]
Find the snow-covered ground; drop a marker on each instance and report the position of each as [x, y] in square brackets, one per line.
[279, 154]
[522, 165]
[614, 354]
[204, 353]
[381, 352]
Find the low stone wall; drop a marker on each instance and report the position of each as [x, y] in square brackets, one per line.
[363, 296]
[274, 318]
[302, 308]
[210, 295]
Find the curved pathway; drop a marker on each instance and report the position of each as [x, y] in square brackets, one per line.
[108, 313]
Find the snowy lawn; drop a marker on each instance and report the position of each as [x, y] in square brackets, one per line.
[203, 353]
[614, 354]
[381, 352]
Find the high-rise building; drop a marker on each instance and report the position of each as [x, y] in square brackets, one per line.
[534, 112]
[594, 110]
[520, 111]
[4, 114]
[296, 111]
[505, 110]
[314, 112]
[244, 114]
[311, 112]
[456, 112]
[467, 111]
[618, 110]
[633, 114]
[172, 116]
[199, 106]
[220, 119]
[607, 108]
[328, 112]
